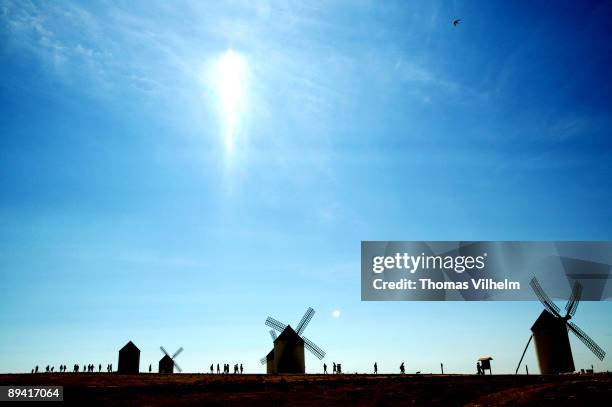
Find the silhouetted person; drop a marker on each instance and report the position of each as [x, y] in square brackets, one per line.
[218, 371]
[99, 367]
[478, 368]
[402, 368]
[52, 367]
[241, 369]
[375, 368]
[111, 368]
[339, 368]
[334, 368]
[324, 368]
[149, 368]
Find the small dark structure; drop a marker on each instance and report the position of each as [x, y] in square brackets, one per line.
[549, 333]
[167, 363]
[288, 353]
[129, 359]
[485, 364]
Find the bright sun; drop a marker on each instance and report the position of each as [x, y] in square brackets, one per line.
[230, 81]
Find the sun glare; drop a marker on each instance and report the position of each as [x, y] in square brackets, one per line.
[231, 87]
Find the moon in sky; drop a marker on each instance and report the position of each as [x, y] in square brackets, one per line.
[336, 313]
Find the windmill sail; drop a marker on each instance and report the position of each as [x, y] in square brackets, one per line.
[544, 298]
[314, 349]
[572, 304]
[586, 339]
[305, 320]
[273, 323]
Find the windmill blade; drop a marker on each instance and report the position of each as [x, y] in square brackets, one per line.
[572, 304]
[305, 320]
[308, 344]
[586, 339]
[178, 352]
[263, 360]
[273, 335]
[178, 367]
[544, 298]
[164, 350]
[272, 323]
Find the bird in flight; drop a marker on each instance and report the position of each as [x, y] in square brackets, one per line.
[456, 22]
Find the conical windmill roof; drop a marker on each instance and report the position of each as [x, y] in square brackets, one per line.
[129, 347]
[546, 321]
[289, 335]
[166, 358]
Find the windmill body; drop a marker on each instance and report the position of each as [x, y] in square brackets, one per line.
[129, 359]
[287, 356]
[166, 365]
[167, 362]
[552, 344]
[550, 333]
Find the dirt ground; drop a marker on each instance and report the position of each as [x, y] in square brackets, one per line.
[319, 390]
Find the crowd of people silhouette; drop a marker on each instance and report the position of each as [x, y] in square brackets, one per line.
[237, 368]
[90, 368]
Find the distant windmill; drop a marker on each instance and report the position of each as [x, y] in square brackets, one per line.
[167, 363]
[288, 353]
[550, 333]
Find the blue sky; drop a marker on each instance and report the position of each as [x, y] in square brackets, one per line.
[174, 172]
